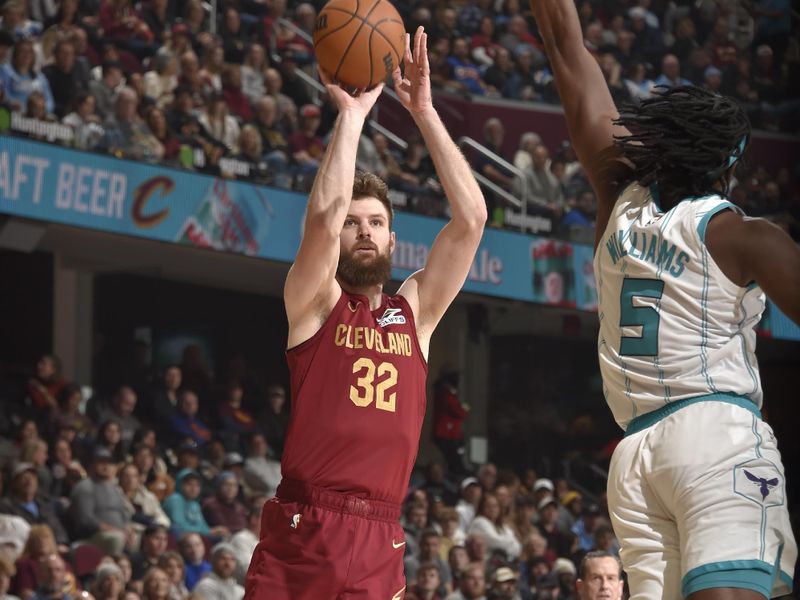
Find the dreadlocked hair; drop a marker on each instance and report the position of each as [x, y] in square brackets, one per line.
[683, 139]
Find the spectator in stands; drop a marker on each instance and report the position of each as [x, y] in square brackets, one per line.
[40, 543]
[306, 145]
[156, 585]
[639, 86]
[458, 561]
[671, 72]
[414, 522]
[65, 77]
[528, 141]
[35, 108]
[147, 508]
[501, 77]
[20, 77]
[649, 42]
[473, 584]
[235, 98]
[220, 583]
[483, 47]
[212, 65]
[156, 15]
[25, 501]
[255, 61]
[153, 545]
[542, 188]
[123, 405]
[108, 583]
[428, 582]
[184, 510]
[126, 135]
[124, 563]
[517, 35]
[34, 451]
[582, 214]
[585, 527]
[192, 80]
[234, 420]
[429, 554]
[172, 564]
[223, 509]
[65, 470]
[7, 571]
[262, 473]
[465, 72]
[449, 414]
[557, 539]
[165, 396]
[157, 123]
[44, 387]
[612, 72]
[99, 511]
[162, 80]
[600, 576]
[222, 126]
[185, 423]
[273, 80]
[68, 412]
[504, 585]
[275, 146]
[235, 36]
[152, 473]
[244, 542]
[193, 552]
[492, 525]
[120, 22]
[52, 579]
[493, 136]
[109, 438]
[84, 121]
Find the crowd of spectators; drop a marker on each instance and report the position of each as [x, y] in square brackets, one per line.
[149, 81]
[155, 492]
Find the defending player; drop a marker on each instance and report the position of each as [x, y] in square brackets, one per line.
[696, 489]
[358, 362]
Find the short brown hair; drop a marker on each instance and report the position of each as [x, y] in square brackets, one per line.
[369, 185]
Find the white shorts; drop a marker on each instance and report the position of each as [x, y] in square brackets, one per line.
[698, 500]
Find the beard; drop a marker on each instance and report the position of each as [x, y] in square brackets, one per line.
[358, 271]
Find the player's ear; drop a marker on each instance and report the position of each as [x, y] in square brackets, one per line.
[392, 242]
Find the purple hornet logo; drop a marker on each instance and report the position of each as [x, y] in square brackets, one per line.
[765, 485]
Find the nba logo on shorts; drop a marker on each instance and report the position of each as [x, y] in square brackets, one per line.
[760, 481]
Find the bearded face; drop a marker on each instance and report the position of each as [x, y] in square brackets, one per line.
[364, 264]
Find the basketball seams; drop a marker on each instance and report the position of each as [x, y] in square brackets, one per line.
[374, 27]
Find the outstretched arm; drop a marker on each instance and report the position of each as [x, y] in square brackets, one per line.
[311, 290]
[431, 290]
[588, 106]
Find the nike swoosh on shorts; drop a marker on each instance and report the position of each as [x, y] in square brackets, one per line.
[396, 546]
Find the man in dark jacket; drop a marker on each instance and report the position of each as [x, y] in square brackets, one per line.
[24, 501]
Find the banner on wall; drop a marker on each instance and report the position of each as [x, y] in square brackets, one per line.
[59, 185]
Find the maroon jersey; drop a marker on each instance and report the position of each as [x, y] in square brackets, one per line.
[358, 401]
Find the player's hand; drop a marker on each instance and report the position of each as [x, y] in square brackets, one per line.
[414, 85]
[359, 102]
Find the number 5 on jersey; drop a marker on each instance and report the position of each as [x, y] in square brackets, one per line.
[366, 390]
[646, 317]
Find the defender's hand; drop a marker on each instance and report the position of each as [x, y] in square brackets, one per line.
[414, 85]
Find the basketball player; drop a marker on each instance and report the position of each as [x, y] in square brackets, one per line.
[358, 362]
[696, 489]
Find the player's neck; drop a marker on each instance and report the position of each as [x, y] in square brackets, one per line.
[374, 293]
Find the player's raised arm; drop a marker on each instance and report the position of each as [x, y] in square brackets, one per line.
[588, 106]
[311, 284]
[431, 290]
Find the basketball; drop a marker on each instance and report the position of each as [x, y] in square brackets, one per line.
[359, 43]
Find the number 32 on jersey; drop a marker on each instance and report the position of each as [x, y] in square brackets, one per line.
[373, 382]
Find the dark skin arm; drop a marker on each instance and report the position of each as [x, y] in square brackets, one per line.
[588, 106]
[756, 250]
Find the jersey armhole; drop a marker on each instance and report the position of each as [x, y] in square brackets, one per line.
[703, 224]
[302, 345]
[407, 306]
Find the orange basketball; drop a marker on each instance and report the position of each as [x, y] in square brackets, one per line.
[359, 42]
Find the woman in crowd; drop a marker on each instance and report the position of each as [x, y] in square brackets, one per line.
[68, 412]
[146, 507]
[162, 80]
[84, 121]
[109, 436]
[108, 583]
[490, 524]
[158, 127]
[172, 564]
[64, 469]
[20, 79]
[41, 543]
[222, 126]
[44, 387]
[156, 585]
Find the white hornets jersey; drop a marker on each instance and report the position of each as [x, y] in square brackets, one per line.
[672, 325]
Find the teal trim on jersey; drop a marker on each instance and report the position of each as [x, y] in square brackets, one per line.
[753, 575]
[655, 196]
[704, 324]
[787, 579]
[701, 226]
[649, 419]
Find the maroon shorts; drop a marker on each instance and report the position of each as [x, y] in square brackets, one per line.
[322, 545]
